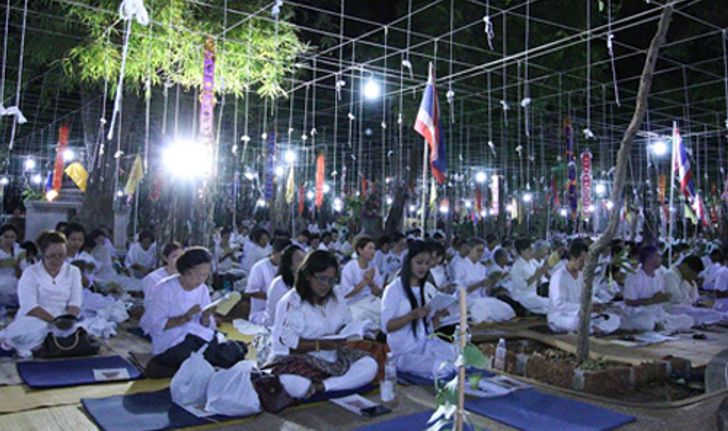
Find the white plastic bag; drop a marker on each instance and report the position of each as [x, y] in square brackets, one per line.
[231, 392]
[189, 384]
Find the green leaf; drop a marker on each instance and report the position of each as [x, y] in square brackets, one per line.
[474, 380]
[473, 356]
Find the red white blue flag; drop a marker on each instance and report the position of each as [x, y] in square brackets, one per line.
[428, 125]
[682, 165]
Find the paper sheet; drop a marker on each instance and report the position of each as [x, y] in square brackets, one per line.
[110, 374]
[439, 302]
[354, 403]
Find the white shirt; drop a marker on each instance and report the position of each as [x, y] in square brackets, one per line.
[394, 305]
[37, 288]
[353, 274]
[392, 263]
[521, 271]
[103, 256]
[440, 276]
[253, 254]
[151, 280]
[259, 280]
[639, 285]
[277, 289]
[710, 274]
[379, 259]
[9, 272]
[147, 259]
[721, 280]
[229, 262]
[564, 292]
[85, 258]
[466, 273]
[297, 319]
[680, 290]
[171, 300]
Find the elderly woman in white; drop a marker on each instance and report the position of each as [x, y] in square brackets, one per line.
[46, 290]
[565, 297]
[472, 275]
[361, 283]
[407, 319]
[306, 353]
[526, 275]
[179, 320]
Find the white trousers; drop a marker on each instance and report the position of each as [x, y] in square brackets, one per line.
[489, 310]
[434, 357]
[359, 374]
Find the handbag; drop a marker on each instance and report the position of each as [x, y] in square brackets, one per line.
[80, 343]
[273, 397]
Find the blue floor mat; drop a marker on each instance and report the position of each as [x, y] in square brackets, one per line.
[413, 422]
[73, 372]
[156, 411]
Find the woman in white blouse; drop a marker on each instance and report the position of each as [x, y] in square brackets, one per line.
[9, 265]
[176, 320]
[46, 290]
[170, 253]
[290, 261]
[408, 321]
[361, 283]
[142, 256]
[306, 354]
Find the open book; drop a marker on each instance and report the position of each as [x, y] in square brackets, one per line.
[353, 331]
[495, 386]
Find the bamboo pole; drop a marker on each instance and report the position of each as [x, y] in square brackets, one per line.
[461, 368]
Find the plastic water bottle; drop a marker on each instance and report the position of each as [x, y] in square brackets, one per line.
[388, 385]
[500, 355]
[261, 343]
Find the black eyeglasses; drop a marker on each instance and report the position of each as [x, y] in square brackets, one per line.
[329, 281]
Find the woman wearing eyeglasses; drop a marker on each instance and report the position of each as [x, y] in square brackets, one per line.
[46, 290]
[178, 322]
[306, 355]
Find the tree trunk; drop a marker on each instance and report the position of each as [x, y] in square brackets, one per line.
[620, 174]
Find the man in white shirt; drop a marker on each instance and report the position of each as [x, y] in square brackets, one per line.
[721, 287]
[680, 285]
[259, 248]
[564, 303]
[383, 248]
[644, 297]
[710, 273]
[259, 280]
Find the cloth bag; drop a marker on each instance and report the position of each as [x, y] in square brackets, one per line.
[231, 393]
[189, 383]
[67, 340]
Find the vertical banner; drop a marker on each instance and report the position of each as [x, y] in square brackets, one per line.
[586, 183]
[571, 169]
[269, 169]
[301, 200]
[207, 95]
[494, 195]
[320, 171]
[60, 148]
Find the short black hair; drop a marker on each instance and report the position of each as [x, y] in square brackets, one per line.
[280, 244]
[436, 248]
[6, 227]
[576, 249]
[192, 257]
[146, 234]
[646, 252]
[498, 253]
[284, 269]
[362, 242]
[170, 247]
[475, 241]
[226, 230]
[522, 244]
[258, 233]
[73, 228]
[383, 240]
[490, 238]
[694, 263]
[48, 237]
[95, 234]
[61, 225]
[29, 247]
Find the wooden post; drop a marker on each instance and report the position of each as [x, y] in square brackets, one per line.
[460, 415]
[582, 347]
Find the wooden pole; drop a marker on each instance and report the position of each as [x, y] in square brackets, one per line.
[620, 174]
[461, 368]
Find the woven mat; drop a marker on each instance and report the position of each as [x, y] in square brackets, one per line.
[19, 398]
[9, 374]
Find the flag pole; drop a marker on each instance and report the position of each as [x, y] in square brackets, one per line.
[670, 211]
[423, 219]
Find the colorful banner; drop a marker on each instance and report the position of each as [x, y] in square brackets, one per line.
[301, 200]
[60, 148]
[494, 195]
[320, 171]
[207, 95]
[661, 188]
[571, 169]
[136, 174]
[77, 173]
[269, 166]
[586, 183]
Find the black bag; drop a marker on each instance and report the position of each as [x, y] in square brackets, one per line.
[227, 354]
[80, 343]
[273, 397]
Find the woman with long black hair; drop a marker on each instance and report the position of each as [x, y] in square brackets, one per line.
[407, 320]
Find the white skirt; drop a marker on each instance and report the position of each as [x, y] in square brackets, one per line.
[427, 361]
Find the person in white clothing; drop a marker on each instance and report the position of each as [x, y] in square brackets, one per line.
[644, 297]
[105, 275]
[142, 256]
[76, 237]
[10, 258]
[306, 354]
[179, 322]
[259, 280]
[360, 284]
[680, 285]
[290, 261]
[526, 274]
[439, 275]
[721, 287]
[383, 247]
[393, 260]
[408, 321]
[170, 253]
[471, 275]
[565, 289]
[710, 273]
[258, 248]
[46, 290]
[461, 251]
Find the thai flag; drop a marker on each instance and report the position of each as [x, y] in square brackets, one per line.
[700, 211]
[682, 165]
[428, 125]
